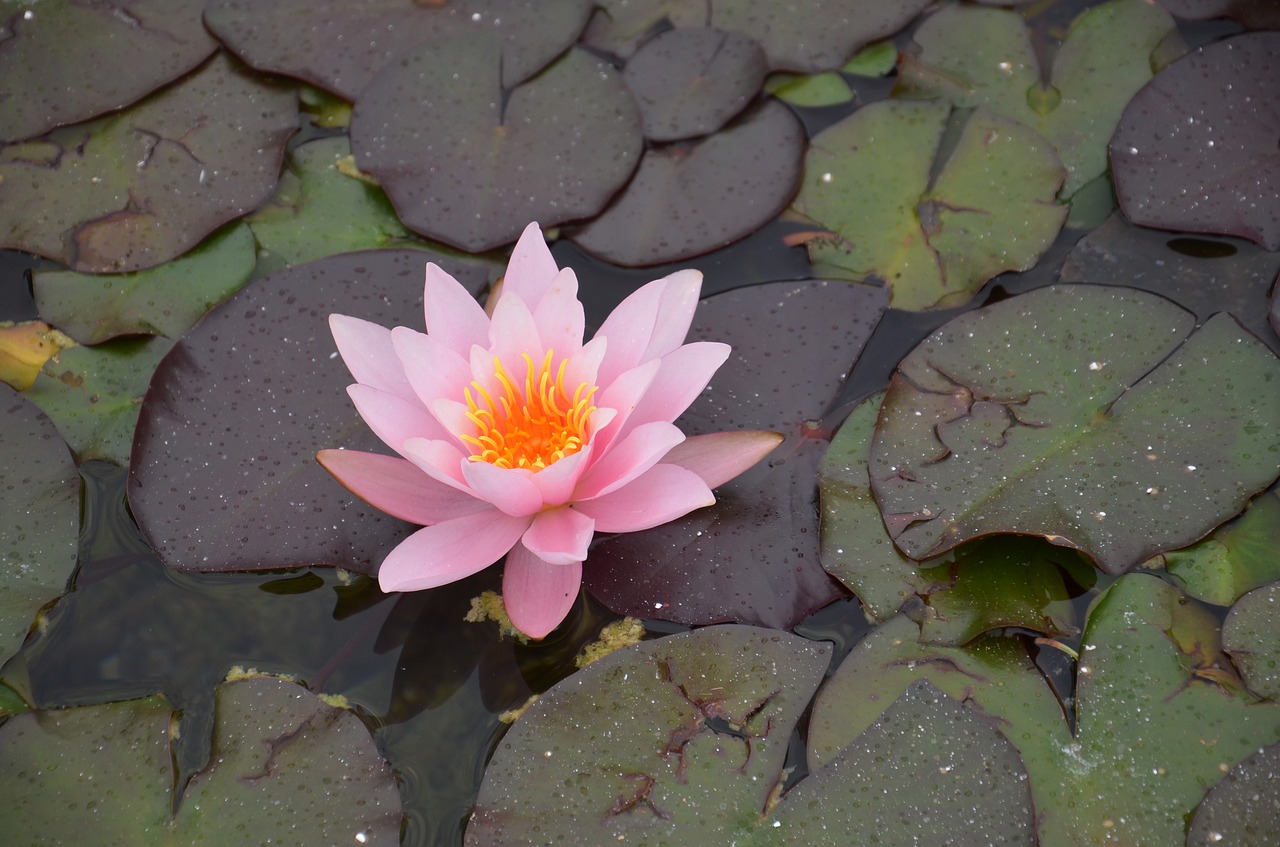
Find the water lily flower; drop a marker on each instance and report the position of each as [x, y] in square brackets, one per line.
[514, 437]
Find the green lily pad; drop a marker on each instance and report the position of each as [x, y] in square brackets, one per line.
[935, 239]
[1238, 557]
[165, 300]
[874, 60]
[40, 511]
[138, 188]
[809, 90]
[51, 67]
[690, 199]
[479, 186]
[1244, 808]
[285, 766]
[1249, 635]
[985, 57]
[1101, 446]
[690, 82]
[93, 394]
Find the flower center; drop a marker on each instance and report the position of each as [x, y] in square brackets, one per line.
[531, 425]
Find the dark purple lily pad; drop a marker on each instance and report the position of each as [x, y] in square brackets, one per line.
[690, 199]
[55, 52]
[1249, 635]
[690, 82]
[1196, 147]
[40, 511]
[341, 45]
[470, 165]
[752, 557]
[286, 766]
[136, 189]
[1134, 436]
[1252, 14]
[223, 473]
[1244, 808]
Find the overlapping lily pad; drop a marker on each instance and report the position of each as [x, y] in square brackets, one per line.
[1133, 436]
[1253, 14]
[985, 57]
[1196, 148]
[55, 52]
[223, 473]
[470, 165]
[1244, 808]
[1249, 635]
[40, 511]
[753, 557]
[690, 199]
[1239, 556]
[934, 231]
[136, 189]
[285, 765]
[340, 45]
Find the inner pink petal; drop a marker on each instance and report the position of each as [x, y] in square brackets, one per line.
[558, 480]
[514, 334]
[629, 329]
[538, 595]
[440, 460]
[392, 418]
[531, 268]
[449, 551]
[560, 536]
[454, 318]
[433, 369]
[638, 451]
[366, 349]
[511, 490]
[559, 316]
[675, 312]
[398, 487]
[622, 396]
[683, 375]
[661, 494]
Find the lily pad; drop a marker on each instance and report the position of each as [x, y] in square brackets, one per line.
[809, 90]
[286, 766]
[752, 557]
[340, 45]
[1252, 14]
[456, 154]
[40, 511]
[690, 199]
[690, 82]
[1196, 148]
[51, 67]
[165, 300]
[935, 239]
[1238, 557]
[1249, 635]
[1100, 447]
[136, 189]
[223, 475]
[1244, 808]
[981, 57]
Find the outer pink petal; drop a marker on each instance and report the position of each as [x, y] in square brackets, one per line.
[531, 268]
[662, 493]
[675, 312]
[512, 491]
[433, 370]
[366, 349]
[558, 480]
[440, 460]
[392, 418]
[683, 375]
[560, 536]
[450, 551]
[640, 450]
[559, 315]
[720, 456]
[454, 318]
[538, 595]
[398, 487]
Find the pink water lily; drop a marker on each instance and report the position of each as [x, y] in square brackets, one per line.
[517, 438]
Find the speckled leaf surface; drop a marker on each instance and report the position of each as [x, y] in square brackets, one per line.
[985, 57]
[688, 199]
[40, 511]
[1137, 436]
[1249, 635]
[1253, 14]
[340, 45]
[54, 53]
[166, 300]
[223, 473]
[690, 82]
[456, 154]
[1207, 161]
[286, 766]
[136, 189]
[752, 557]
[1238, 557]
[933, 237]
[1244, 808]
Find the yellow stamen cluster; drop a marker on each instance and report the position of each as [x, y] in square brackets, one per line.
[531, 425]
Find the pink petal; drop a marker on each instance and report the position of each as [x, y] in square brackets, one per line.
[559, 536]
[559, 315]
[584, 363]
[675, 312]
[628, 330]
[720, 456]
[622, 396]
[450, 551]
[514, 334]
[640, 450]
[452, 415]
[454, 318]
[558, 480]
[392, 418]
[662, 493]
[512, 491]
[366, 349]
[683, 375]
[397, 487]
[531, 268]
[440, 460]
[433, 370]
[538, 595]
